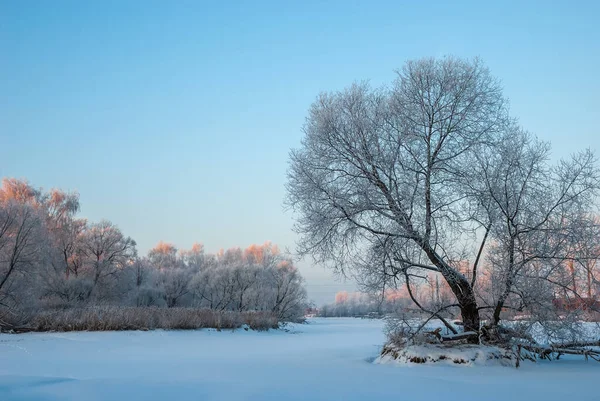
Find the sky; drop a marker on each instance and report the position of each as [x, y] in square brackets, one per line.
[174, 120]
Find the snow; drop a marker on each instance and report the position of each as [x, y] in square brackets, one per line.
[463, 355]
[327, 359]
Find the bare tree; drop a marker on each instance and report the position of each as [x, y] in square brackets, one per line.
[20, 191]
[289, 295]
[64, 229]
[432, 178]
[383, 169]
[108, 251]
[21, 253]
[174, 285]
[540, 210]
[164, 256]
[586, 253]
[194, 258]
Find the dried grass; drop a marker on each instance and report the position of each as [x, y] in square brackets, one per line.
[106, 318]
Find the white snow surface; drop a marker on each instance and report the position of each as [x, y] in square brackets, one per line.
[326, 359]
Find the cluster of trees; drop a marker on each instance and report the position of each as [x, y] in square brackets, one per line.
[258, 278]
[431, 293]
[431, 178]
[358, 304]
[50, 258]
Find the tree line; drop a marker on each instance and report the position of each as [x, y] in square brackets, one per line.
[357, 304]
[51, 259]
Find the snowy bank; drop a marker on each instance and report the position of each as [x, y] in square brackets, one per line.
[464, 354]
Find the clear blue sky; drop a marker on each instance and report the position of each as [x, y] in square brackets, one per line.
[174, 119]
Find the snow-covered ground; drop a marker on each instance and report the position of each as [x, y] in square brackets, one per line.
[327, 359]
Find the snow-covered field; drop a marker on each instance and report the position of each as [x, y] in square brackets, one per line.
[327, 359]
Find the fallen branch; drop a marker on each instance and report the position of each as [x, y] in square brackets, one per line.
[578, 344]
[546, 352]
[458, 337]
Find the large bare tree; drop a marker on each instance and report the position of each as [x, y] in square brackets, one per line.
[390, 181]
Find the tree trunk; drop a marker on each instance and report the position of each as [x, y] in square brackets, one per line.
[497, 311]
[501, 300]
[509, 281]
[463, 291]
[573, 276]
[590, 267]
[469, 311]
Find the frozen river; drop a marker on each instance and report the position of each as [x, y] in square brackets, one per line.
[326, 359]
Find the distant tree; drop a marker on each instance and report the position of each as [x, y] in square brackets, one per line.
[107, 252]
[194, 258]
[65, 230]
[22, 249]
[174, 285]
[20, 191]
[586, 252]
[164, 256]
[290, 297]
